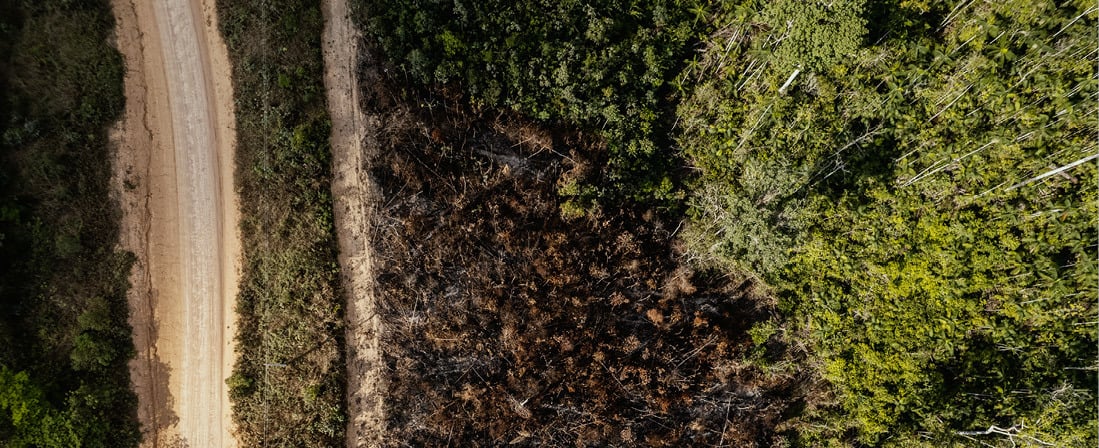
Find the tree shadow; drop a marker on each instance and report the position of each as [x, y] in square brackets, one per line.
[151, 379]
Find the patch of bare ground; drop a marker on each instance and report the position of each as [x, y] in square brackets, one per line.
[505, 323]
[354, 197]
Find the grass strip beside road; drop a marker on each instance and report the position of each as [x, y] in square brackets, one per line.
[289, 307]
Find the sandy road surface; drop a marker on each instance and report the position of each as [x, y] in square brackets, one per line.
[354, 197]
[173, 172]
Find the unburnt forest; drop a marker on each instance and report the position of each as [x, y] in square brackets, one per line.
[64, 336]
[611, 223]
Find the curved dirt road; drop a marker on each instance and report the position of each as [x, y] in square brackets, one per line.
[174, 171]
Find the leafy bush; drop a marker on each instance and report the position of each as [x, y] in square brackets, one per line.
[33, 421]
[814, 35]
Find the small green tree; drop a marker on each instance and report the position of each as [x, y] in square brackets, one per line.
[35, 422]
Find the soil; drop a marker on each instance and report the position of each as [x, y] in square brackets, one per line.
[173, 177]
[354, 201]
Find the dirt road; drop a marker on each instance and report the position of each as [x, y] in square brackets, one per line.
[354, 196]
[173, 177]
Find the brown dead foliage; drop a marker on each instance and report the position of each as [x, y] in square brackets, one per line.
[506, 324]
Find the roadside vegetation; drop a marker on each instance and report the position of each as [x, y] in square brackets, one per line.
[64, 336]
[909, 189]
[288, 384]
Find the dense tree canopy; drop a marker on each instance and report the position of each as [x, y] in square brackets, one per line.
[895, 197]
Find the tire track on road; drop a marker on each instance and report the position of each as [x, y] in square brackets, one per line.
[174, 178]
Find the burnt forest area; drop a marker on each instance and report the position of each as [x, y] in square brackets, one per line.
[506, 323]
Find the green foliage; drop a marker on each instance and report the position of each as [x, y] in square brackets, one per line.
[240, 386]
[288, 306]
[33, 421]
[602, 65]
[814, 35]
[969, 327]
[64, 337]
[883, 194]
[100, 343]
[758, 147]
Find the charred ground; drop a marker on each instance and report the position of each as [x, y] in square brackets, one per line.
[506, 323]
